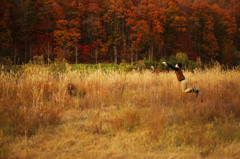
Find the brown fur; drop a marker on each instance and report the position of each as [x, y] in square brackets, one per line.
[72, 89]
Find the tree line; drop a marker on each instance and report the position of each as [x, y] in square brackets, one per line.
[92, 31]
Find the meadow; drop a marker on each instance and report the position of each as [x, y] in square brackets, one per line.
[118, 114]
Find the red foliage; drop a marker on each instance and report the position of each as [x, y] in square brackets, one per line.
[44, 44]
[115, 29]
[85, 50]
[185, 45]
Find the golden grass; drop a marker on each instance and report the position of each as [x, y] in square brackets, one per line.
[119, 115]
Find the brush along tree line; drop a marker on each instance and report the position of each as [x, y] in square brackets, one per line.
[62, 65]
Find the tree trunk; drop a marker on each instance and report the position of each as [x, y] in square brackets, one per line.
[136, 56]
[124, 49]
[124, 45]
[96, 55]
[25, 35]
[150, 52]
[48, 59]
[115, 55]
[14, 54]
[76, 53]
[30, 52]
[132, 55]
[26, 50]
[164, 50]
[26, 53]
[48, 53]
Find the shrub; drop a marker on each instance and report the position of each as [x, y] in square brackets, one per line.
[192, 65]
[172, 60]
[128, 67]
[38, 60]
[6, 61]
[149, 63]
[141, 64]
[60, 60]
[58, 68]
[182, 58]
[160, 65]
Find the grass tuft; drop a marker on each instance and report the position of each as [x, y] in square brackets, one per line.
[143, 113]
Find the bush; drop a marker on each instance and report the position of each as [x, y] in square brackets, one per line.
[172, 60]
[182, 58]
[128, 67]
[7, 61]
[192, 65]
[60, 60]
[38, 60]
[148, 63]
[58, 68]
[160, 65]
[94, 67]
[141, 64]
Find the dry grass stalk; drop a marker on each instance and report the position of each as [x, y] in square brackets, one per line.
[126, 103]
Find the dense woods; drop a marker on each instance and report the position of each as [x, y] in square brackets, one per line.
[92, 31]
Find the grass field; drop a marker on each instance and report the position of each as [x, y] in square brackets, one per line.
[117, 114]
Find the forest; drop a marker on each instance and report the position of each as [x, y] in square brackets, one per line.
[115, 31]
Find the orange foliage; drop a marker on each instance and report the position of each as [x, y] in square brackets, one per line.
[208, 29]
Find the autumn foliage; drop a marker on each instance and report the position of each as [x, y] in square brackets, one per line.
[112, 31]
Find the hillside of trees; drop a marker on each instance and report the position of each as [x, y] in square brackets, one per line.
[92, 31]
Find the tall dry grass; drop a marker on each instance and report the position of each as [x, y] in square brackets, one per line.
[116, 103]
